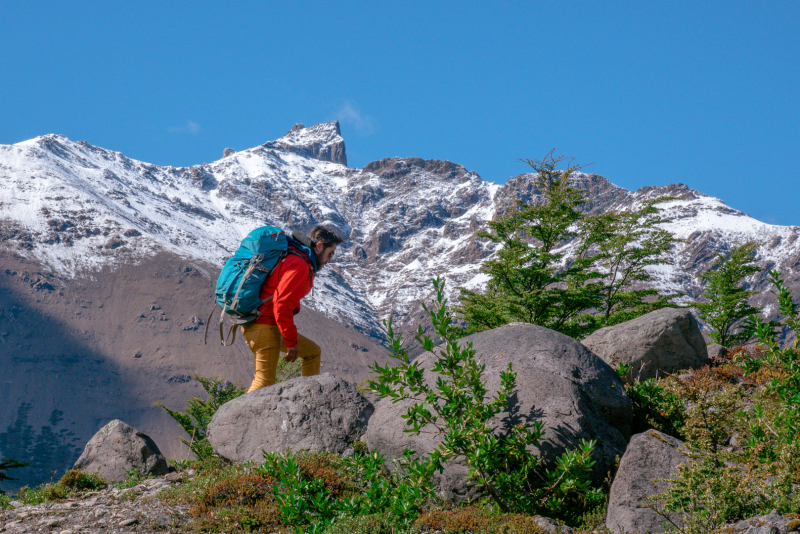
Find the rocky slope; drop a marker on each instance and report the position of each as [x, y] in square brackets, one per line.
[107, 266]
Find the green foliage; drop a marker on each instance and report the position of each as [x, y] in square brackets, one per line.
[72, 484]
[727, 303]
[624, 244]
[721, 484]
[226, 498]
[786, 386]
[527, 280]
[458, 408]
[194, 421]
[135, 477]
[654, 407]
[310, 499]
[5, 465]
[77, 480]
[367, 524]
[287, 370]
[711, 494]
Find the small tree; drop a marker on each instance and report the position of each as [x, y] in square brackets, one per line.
[5, 465]
[727, 303]
[528, 280]
[194, 421]
[626, 243]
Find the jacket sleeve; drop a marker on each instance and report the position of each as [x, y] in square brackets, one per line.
[291, 289]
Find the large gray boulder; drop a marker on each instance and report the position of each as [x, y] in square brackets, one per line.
[559, 381]
[652, 458]
[320, 412]
[660, 342]
[117, 449]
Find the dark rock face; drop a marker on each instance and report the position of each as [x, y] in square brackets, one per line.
[318, 412]
[662, 341]
[650, 456]
[228, 152]
[559, 381]
[116, 449]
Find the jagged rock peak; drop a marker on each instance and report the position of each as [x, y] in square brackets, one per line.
[321, 141]
[228, 152]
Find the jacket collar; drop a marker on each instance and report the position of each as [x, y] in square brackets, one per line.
[304, 246]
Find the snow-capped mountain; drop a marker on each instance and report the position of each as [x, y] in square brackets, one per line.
[107, 267]
[81, 208]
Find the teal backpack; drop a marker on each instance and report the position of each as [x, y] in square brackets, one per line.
[239, 283]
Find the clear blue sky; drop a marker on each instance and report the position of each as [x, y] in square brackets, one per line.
[704, 93]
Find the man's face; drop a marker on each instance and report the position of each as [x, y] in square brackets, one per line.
[324, 254]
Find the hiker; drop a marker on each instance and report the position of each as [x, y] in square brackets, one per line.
[274, 331]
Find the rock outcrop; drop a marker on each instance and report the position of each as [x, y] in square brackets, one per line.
[117, 449]
[321, 141]
[650, 456]
[320, 412]
[655, 344]
[559, 381]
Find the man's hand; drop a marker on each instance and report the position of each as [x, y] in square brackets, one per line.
[291, 354]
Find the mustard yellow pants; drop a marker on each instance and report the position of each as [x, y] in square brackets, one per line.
[266, 342]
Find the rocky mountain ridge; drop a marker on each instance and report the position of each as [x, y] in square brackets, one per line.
[107, 267]
[77, 207]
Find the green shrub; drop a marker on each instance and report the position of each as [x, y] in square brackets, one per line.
[194, 421]
[76, 480]
[483, 519]
[135, 477]
[72, 484]
[287, 370]
[718, 484]
[312, 489]
[653, 407]
[503, 467]
[366, 524]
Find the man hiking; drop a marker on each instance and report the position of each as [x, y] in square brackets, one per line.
[274, 331]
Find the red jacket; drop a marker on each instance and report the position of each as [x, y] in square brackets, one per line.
[292, 279]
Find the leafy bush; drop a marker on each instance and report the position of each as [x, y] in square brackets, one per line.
[503, 467]
[711, 494]
[226, 498]
[477, 519]
[786, 359]
[194, 421]
[314, 488]
[77, 480]
[654, 407]
[72, 484]
[287, 370]
[135, 477]
[721, 483]
[367, 524]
